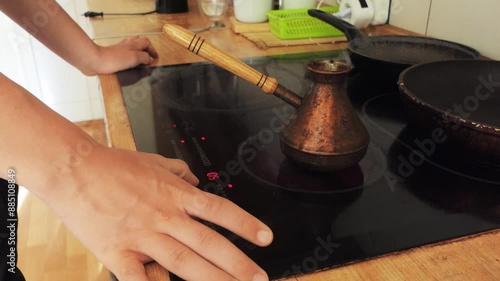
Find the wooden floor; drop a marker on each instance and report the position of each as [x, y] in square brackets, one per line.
[47, 251]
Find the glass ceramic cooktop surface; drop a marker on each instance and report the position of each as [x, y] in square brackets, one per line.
[409, 190]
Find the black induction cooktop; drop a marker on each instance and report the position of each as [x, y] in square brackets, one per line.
[411, 189]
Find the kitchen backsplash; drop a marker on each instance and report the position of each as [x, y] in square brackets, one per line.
[473, 23]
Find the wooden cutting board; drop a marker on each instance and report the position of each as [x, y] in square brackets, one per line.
[260, 34]
[266, 40]
[241, 27]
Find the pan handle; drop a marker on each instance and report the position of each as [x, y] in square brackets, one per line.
[350, 31]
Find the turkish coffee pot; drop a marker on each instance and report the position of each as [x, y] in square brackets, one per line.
[326, 134]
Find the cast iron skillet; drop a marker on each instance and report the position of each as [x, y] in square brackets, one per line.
[462, 97]
[389, 55]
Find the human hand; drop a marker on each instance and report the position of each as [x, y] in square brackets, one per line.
[129, 208]
[126, 54]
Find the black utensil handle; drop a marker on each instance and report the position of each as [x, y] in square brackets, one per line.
[350, 31]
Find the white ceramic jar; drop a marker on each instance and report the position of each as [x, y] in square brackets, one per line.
[299, 4]
[252, 11]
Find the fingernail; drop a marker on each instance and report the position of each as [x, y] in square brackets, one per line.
[264, 236]
[151, 60]
[260, 277]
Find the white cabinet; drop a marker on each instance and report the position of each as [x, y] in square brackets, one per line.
[58, 84]
[16, 56]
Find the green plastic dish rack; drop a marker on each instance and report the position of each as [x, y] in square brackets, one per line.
[297, 24]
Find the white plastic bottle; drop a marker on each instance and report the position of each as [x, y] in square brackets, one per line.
[381, 8]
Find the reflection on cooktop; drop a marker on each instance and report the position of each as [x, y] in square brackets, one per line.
[272, 168]
[227, 131]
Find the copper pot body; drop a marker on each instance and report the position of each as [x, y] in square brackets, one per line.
[326, 134]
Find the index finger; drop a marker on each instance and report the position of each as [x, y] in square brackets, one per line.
[144, 44]
[225, 213]
[151, 50]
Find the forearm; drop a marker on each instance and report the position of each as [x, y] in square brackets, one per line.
[44, 148]
[127, 207]
[53, 27]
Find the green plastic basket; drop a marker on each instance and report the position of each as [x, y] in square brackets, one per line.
[297, 24]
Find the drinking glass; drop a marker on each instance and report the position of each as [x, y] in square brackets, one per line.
[214, 11]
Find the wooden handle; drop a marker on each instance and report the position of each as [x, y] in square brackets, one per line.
[200, 47]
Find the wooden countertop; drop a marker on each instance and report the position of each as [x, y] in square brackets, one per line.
[469, 258]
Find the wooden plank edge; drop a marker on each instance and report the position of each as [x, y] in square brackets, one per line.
[116, 119]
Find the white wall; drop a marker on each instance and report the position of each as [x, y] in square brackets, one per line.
[410, 14]
[330, 2]
[58, 84]
[473, 23]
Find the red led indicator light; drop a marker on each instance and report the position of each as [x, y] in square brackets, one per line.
[175, 125]
[183, 141]
[230, 185]
[203, 138]
[212, 176]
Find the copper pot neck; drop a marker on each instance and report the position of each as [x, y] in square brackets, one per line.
[328, 71]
